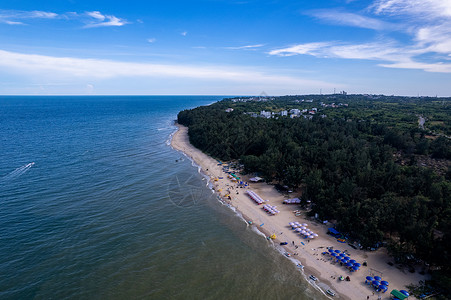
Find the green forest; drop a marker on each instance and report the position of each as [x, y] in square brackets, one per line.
[363, 161]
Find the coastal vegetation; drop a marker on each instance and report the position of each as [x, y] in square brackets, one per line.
[376, 166]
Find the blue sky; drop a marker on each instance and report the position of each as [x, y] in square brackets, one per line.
[220, 47]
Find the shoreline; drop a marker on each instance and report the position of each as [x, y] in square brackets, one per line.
[307, 252]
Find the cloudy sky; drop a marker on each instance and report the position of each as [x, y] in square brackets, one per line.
[225, 47]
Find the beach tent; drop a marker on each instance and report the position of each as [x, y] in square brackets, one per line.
[255, 179]
[398, 294]
[333, 231]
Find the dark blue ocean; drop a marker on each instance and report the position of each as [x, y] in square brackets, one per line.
[94, 204]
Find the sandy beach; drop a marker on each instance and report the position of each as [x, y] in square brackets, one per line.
[309, 253]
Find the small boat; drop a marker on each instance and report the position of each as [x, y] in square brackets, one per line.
[330, 292]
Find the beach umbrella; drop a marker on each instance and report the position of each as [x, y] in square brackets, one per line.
[384, 283]
[383, 287]
[337, 251]
[346, 258]
[352, 261]
[291, 223]
[331, 250]
[315, 234]
[333, 254]
[377, 278]
[304, 224]
[298, 230]
[311, 237]
[303, 227]
[357, 264]
[342, 254]
[376, 283]
[369, 278]
[405, 292]
[348, 265]
[355, 268]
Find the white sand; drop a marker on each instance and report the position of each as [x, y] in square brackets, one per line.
[309, 254]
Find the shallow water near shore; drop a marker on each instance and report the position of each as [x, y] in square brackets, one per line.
[95, 205]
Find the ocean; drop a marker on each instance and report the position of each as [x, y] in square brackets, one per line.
[95, 204]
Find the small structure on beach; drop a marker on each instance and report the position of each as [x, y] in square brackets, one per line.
[398, 295]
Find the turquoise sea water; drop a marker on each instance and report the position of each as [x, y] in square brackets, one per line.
[94, 204]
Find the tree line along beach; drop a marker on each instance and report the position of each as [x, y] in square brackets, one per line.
[321, 255]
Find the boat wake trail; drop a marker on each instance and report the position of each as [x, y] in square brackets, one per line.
[17, 172]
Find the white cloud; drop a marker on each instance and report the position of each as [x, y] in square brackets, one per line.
[247, 47]
[152, 40]
[184, 33]
[397, 56]
[68, 67]
[424, 9]
[308, 48]
[351, 19]
[101, 20]
[12, 17]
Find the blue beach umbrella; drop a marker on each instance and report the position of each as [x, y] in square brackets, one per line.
[357, 264]
[333, 254]
[405, 292]
[342, 254]
[355, 268]
[348, 265]
[369, 278]
[376, 283]
[331, 250]
[377, 278]
[384, 283]
[383, 287]
[343, 260]
[337, 251]
[346, 258]
[352, 261]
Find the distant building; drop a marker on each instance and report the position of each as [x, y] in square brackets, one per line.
[295, 111]
[229, 110]
[284, 113]
[265, 114]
